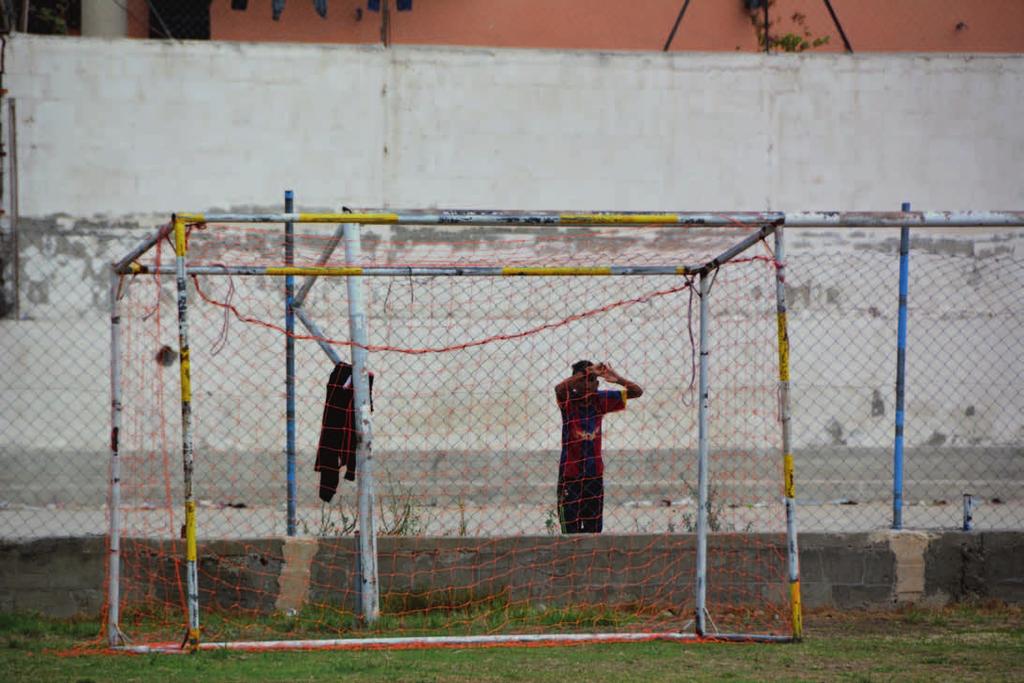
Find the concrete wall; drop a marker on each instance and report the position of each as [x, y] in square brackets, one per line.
[63, 577]
[120, 127]
[112, 135]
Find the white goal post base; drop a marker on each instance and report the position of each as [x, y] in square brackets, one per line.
[452, 641]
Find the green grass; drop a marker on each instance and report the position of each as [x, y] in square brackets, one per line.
[953, 644]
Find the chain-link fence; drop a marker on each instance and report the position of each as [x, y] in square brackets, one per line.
[964, 366]
[964, 430]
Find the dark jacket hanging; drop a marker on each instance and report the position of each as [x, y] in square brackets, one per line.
[337, 447]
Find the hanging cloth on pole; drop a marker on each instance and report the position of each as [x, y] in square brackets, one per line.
[337, 448]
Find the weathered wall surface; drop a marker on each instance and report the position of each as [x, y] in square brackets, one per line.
[113, 135]
[119, 127]
[62, 577]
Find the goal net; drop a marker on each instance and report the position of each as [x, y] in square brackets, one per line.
[461, 476]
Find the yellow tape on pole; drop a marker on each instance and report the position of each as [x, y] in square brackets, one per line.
[314, 270]
[190, 530]
[186, 376]
[783, 348]
[787, 473]
[179, 236]
[193, 640]
[798, 616]
[367, 218]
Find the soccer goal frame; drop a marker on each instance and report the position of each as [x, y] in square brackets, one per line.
[763, 224]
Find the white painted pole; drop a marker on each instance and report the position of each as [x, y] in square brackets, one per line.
[702, 461]
[369, 589]
[114, 502]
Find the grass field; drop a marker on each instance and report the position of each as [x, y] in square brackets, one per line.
[970, 642]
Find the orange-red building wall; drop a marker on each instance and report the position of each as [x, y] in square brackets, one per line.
[708, 25]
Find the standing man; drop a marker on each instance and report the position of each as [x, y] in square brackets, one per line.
[580, 468]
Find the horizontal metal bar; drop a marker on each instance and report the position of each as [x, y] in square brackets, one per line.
[862, 219]
[392, 271]
[898, 219]
[425, 641]
[494, 218]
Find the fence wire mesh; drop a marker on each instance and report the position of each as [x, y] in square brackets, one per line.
[964, 433]
[964, 368]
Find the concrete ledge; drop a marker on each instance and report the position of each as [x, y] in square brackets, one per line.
[65, 576]
[59, 577]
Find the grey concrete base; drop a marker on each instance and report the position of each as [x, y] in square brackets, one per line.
[65, 576]
[58, 577]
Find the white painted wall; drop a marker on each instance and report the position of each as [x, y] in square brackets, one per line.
[113, 135]
[109, 126]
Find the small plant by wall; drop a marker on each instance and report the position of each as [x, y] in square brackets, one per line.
[800, 40]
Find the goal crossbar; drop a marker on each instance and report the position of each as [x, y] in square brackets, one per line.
[860, 219]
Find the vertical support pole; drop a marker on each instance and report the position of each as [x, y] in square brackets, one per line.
[901, 365]
[789, 484]
[289, 350]
[969, 503]
[369, 597]
[114, 503]
[12, 145]
[192, 633]
[702, 462]
[385, 23]
[767, 36]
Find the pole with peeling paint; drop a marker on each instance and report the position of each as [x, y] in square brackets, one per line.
[702, 462]
[684, 219]
[114, 568]
[289, 351]
[901, 365]
[192, 631]
[789, 485]
[369, 594]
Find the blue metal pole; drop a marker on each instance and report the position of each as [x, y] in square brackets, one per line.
[901, 363]
[289, 319]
